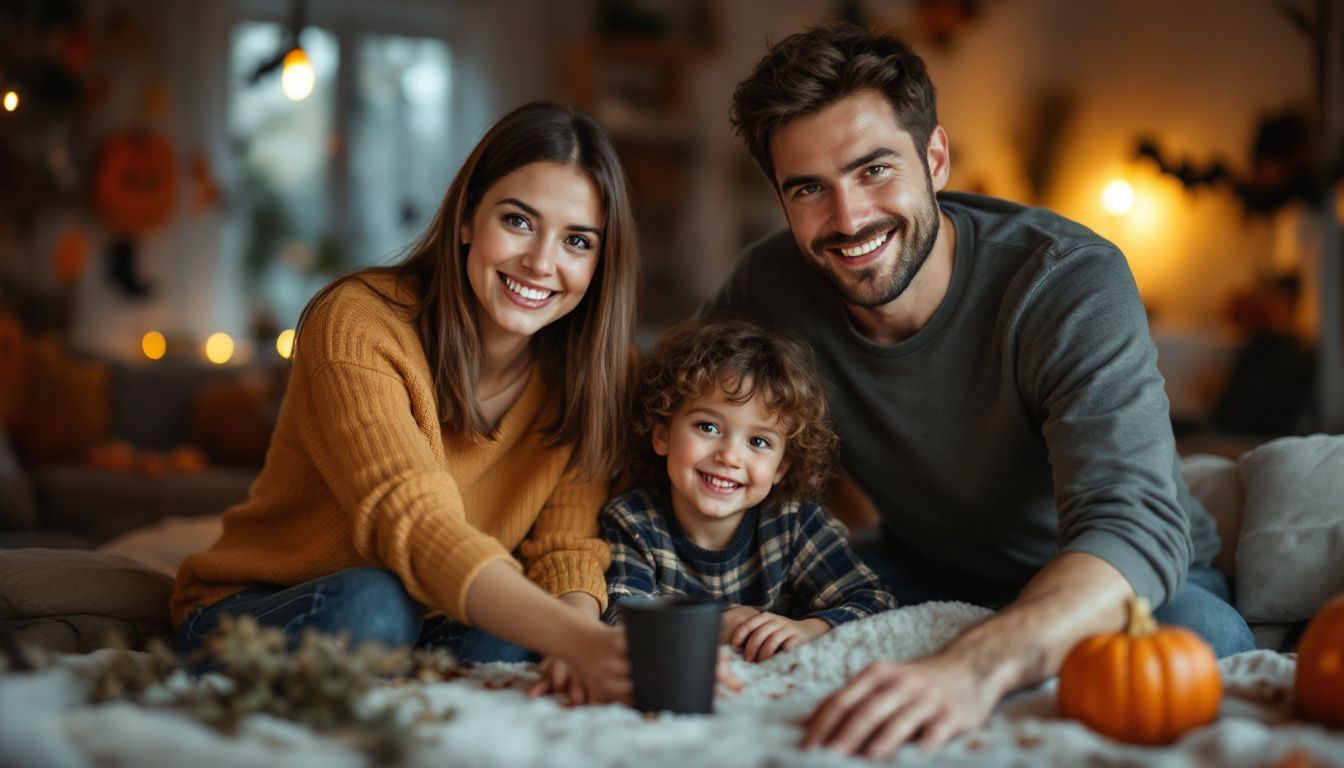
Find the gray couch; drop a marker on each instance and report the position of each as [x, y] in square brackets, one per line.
[1279, 508]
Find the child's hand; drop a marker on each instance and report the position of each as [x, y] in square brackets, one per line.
[557, 677]
[732, 619]
[762, 636]
[725, 682]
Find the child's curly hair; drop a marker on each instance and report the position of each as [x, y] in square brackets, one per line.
[742, 358]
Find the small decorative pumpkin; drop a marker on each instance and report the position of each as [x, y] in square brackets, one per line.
[1146, 685]
[111, 455]
[152, 464]
[135, 182]
[1319, 679]
[187, 459]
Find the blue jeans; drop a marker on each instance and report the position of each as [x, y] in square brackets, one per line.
[368, 604]
[1203, 604]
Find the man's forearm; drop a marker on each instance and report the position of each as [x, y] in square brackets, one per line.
[1073, 596]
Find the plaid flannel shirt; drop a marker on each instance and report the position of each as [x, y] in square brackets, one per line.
[791, 559]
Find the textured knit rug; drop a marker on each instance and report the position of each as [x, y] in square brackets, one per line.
[484, 719]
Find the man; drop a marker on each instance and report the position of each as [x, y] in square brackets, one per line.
[994, 385]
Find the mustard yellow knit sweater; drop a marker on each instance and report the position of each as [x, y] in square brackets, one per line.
[360, 472]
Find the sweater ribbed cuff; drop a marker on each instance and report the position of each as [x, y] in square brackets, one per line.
[561, 572]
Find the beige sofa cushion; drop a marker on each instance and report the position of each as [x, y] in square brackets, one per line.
[70, 600]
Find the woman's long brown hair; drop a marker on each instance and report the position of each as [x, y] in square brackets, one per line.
[583, 356]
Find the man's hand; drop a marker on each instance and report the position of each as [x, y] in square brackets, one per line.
[938, 697]
[762, 635]
[890, 703]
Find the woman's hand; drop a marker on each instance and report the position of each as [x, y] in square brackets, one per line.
[556, 675]
[597, 663]
[763, 635]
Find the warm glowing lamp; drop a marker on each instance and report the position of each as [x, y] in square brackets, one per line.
[1118, 197]
[219, 348]
[11, 101]
[297, 77]
[284, 343]
[154, 345]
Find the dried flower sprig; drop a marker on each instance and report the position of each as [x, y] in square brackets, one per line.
[322, 684]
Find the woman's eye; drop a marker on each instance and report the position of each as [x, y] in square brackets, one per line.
[580, 242]
[517, 221]
[708, 427]
[760, 442]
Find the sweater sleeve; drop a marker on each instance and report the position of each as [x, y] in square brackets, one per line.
[563, 551]
[1088, 369]
[827, 578]
[632, 559]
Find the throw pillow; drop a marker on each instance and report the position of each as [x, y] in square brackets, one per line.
[68, 600]
[1215, 482]
[1288, 560]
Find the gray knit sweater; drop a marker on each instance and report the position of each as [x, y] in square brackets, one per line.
[1027, 418]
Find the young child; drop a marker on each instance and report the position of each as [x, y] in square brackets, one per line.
[731, 435]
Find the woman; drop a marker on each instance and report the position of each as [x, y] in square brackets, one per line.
[444, 412]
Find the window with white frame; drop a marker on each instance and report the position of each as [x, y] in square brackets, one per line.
[347, 176]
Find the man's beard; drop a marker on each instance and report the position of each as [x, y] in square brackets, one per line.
[870, 287]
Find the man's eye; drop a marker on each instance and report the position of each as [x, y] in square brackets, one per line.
[876, 170]
[807, 190]
[760, 442]
[708, 427]
[580, 242]
[517, 222]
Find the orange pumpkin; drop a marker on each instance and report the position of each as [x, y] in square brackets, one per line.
[135, 182]
[1319, 679]
[187, 459]
[1146, 685]
[112, 455]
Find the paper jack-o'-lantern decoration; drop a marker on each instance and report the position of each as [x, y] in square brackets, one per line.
[135, 182]
[134, 191]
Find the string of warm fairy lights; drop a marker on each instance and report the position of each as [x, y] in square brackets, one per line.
[218, 348]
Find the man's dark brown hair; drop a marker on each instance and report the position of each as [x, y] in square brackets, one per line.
[809, 71]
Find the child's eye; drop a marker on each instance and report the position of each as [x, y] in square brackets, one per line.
[580, 242]
[517, 221]
[760, 442]
[708, 427]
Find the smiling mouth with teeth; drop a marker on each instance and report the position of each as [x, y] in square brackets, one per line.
[719, 483]
[865, 248]
[524, 291]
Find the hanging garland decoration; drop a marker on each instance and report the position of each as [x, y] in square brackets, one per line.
[134, 192]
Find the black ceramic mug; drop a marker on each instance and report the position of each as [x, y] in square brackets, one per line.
[673, 648]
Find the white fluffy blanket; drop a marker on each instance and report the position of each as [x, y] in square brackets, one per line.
[484, 719]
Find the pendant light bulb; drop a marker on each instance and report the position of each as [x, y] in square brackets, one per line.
[297, 77]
